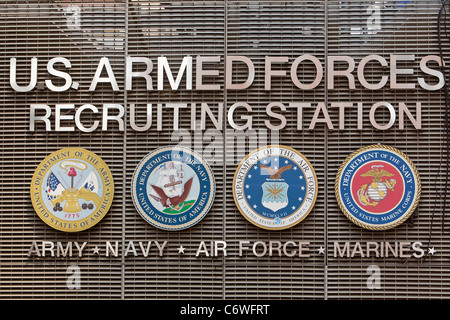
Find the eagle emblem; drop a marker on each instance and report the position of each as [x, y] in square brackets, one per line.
[275, 196]
[275, 173]
[170, 190]
[173, 202]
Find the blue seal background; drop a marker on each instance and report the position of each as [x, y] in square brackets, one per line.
[375, 219]
[256, 176]
[207, 186]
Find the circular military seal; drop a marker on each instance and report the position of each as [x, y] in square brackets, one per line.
[173, 188]
[72, 189]
[377, 187]
[275, 187]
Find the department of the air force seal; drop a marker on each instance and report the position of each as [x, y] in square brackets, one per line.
[275, 187]
[377, 187]
[173, 188]
[72, 189]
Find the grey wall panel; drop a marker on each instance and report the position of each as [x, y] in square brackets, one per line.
[175, 30]
[402, 29]
[36, 29]
[264, 29]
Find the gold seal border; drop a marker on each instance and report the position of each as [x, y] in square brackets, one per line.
[101, 164]
[280, 147]
[369, 226]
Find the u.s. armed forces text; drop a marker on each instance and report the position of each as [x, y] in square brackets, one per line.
[398, 72]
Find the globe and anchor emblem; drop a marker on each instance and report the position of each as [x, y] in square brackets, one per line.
[371, 194]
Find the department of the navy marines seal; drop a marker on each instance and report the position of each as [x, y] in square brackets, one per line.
[377, 187]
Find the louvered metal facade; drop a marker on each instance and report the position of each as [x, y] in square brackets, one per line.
[86, 31]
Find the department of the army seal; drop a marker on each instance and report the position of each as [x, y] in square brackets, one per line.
[275, 187]
[72, 189]
[173, 188]
[377, 187]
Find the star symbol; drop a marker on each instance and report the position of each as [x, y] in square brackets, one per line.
[321, 250]
[96, 250]
[286, 162]
[255, 206]
[249, 197]
[276, 160]
[300, 177]
[300, 199]
[255, 167]
[275, 167]
[293, 207]
[295, 168]
[180, 249]
[264, 161]
[303, 188]
[247, 186]
[249, 176]
[431, 251]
